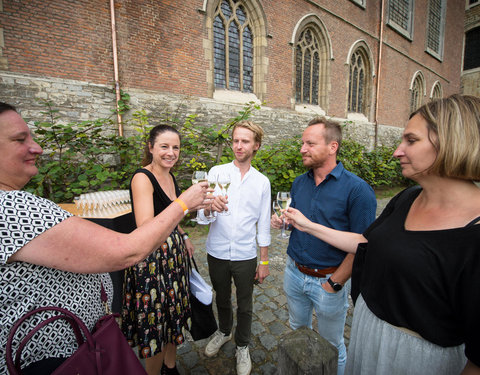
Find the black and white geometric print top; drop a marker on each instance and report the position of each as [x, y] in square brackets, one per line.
[25, 286]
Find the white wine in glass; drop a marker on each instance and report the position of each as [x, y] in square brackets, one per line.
[223, 180]
[284, 200]
[212, 183]
[198, 176]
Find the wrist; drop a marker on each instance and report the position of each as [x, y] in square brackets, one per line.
[183, 205]
[264, 262]
[185, 236]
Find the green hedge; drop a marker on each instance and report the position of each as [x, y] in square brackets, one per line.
[89, 156]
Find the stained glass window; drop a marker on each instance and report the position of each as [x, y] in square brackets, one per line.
[437, 91]
[416, 98]
[307, 67]
[357, 83]
[233, 47]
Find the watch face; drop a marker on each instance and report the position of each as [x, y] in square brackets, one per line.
[336, 286]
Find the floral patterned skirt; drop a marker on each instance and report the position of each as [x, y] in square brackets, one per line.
[156, 300]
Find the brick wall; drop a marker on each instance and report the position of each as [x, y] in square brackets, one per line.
[161, 49]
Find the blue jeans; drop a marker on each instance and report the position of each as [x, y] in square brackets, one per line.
[305, 293]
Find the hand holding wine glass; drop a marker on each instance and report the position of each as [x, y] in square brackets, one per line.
[198, 176]
[283, 201]
[223, 180]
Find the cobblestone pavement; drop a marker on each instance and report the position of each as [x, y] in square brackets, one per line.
[269, 324]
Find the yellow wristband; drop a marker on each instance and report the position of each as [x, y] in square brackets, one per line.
[264, 262]
[183, 205]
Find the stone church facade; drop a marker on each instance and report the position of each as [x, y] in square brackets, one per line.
[367, 62]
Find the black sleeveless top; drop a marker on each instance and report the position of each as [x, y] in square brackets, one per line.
[160, 199]
[427, 281]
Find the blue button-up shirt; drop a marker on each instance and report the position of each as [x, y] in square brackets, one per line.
[342, 201]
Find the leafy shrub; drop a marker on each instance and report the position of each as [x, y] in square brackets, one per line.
[90, 156]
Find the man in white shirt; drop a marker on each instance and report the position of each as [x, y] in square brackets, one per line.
[232, 241]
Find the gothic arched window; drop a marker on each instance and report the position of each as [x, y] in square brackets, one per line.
[357, 83]
[437, 91]
[310, 67]
[417, 93]
[232, 47]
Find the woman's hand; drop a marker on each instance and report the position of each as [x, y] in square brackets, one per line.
[296, 218]
[189, 246]
[195, 197]
[276, 221]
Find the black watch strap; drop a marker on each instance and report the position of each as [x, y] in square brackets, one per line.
[336, 286]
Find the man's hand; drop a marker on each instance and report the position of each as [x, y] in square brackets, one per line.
[276, 222]
[262, 272]
[220, 203]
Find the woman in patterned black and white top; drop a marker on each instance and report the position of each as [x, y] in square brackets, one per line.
[49, 257]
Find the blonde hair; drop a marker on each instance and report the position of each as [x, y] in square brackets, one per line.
[258, 132]
[455, 122]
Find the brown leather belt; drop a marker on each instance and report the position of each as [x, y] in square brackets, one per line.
[315, 271]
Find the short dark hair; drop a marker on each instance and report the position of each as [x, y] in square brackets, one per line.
[6, 107]
[333, 130]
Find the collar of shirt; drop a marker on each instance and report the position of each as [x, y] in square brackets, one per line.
[234, 236]
[332, 204]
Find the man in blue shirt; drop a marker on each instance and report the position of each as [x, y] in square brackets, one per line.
[317, 274]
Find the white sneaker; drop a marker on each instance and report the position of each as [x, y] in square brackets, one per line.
[244, 364]
[216, 343]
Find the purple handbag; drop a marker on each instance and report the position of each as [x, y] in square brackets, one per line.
[104, 351]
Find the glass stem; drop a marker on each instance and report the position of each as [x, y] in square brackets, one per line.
[283, 227]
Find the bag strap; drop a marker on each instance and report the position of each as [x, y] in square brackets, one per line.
[194, 264]
[76, 330]
[78, 326]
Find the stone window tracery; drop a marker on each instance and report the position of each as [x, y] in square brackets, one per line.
[233, 50]
[356, 87]
[437, 91]
[417, 93]
[309, 54]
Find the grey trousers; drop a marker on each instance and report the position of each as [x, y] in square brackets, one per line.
[243, 274]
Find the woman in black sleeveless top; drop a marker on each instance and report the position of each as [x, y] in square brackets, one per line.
[156, 309]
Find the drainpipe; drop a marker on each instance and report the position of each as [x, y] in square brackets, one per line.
[115, 68]
[380, 50]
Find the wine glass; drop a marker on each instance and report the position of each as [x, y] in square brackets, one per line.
[198, 176]
[212, 183]
[223, 180]
[283, 201]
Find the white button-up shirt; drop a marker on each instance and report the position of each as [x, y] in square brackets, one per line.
[234, 237]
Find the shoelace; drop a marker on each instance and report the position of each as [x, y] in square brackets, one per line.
[219, 338]
[242, 353]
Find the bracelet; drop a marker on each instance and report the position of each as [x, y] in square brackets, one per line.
[185, 236]
[183, 205]
[264, 262]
